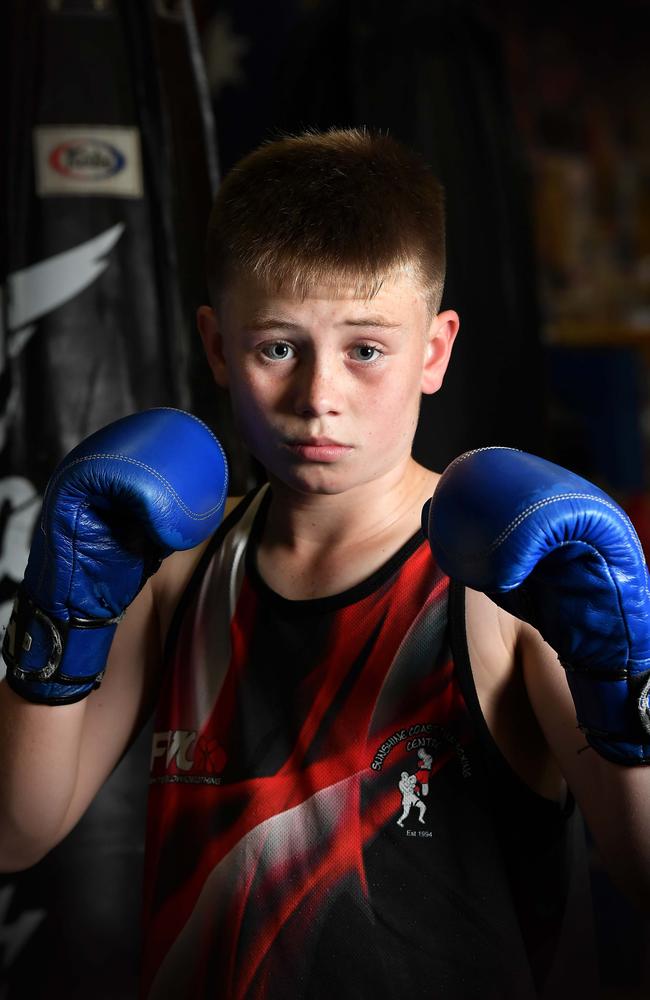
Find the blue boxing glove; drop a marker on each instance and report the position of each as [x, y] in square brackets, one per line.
[557, 552]
[121, 501]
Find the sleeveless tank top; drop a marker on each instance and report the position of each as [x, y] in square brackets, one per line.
[329, 816]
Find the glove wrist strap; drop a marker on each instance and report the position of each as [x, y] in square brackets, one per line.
[613, 709]
[52, 661]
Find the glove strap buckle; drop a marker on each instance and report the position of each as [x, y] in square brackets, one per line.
[43, 654]
[17, 629]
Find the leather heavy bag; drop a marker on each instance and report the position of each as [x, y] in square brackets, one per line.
[106, 182]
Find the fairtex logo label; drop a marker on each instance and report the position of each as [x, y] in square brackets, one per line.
[87, 159]
[182, 755]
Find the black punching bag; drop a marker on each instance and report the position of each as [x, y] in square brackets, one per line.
[107, 176]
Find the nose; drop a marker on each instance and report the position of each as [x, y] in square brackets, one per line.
[316, 391]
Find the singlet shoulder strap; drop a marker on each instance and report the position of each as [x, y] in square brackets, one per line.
[460, 652]
[226, 526]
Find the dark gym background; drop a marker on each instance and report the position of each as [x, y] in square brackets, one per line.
[118, 119]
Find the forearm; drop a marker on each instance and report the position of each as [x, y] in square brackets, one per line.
[121, 501]
[624, 845]
[40, 749]
[613, 798]
[560, 555]
[615, 802]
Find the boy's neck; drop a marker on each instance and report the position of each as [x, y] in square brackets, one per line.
[366, 511]
[316, 545]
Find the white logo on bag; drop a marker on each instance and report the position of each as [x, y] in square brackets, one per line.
[41, 288]
[33, 292]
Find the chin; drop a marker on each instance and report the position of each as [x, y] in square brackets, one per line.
[325, 488]
[314, 482]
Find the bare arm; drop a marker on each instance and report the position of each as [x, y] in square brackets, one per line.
[614, 798]
[55, 758]
[555, 551]
[117, 503]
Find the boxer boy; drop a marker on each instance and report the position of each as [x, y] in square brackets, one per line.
[291, 655]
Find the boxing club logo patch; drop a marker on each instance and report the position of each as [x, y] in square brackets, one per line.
[423, 748]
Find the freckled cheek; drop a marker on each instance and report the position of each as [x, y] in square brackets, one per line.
[394, 411]
[251, 404]
[250, 391]
[389, 398]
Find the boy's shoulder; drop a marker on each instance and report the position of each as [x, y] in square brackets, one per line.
[175, 573]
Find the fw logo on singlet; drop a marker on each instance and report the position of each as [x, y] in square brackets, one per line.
[183, 755]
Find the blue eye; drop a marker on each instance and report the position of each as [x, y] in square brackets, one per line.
[278, 351]
[366, 352]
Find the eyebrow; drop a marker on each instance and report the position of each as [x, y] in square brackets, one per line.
[373, 321]
[271, 323]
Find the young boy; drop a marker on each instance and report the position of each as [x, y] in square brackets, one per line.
[316, 653]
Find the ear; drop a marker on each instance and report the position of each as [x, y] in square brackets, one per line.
[208, 325]
[440, 340]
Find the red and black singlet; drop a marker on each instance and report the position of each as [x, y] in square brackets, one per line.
[328, 815]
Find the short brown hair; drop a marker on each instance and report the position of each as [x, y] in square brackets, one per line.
[347, 206]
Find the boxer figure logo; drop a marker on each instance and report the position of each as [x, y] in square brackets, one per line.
[434, 746]
[410, 797]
